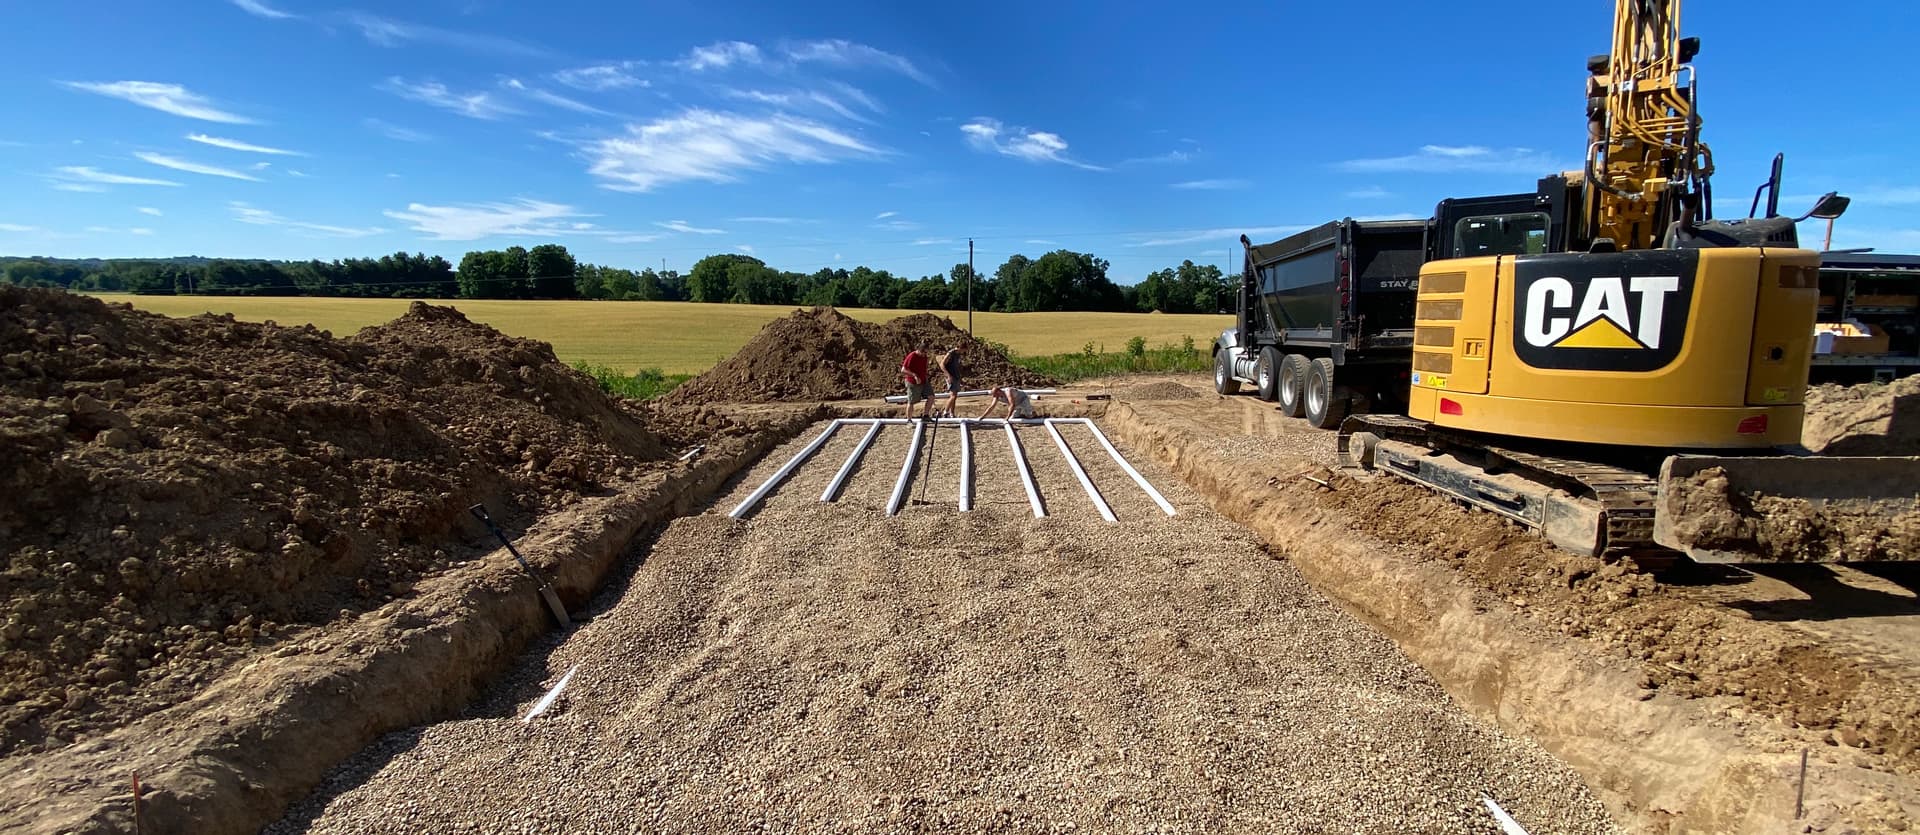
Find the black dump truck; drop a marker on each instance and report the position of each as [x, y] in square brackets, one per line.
[1325, 320]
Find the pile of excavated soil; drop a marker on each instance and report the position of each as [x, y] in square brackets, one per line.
[1867, 419]
[822, 354]
[182, 492]
[826, 668]
[1164, 390]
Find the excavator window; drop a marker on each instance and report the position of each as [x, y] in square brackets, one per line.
[1511, 234]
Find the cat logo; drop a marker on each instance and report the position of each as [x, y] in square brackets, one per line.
[1611, 312]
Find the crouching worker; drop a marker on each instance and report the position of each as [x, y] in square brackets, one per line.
[1018, 404]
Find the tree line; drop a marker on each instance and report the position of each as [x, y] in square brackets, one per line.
[1058, 280]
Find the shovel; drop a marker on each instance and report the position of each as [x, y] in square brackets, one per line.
[546, 589]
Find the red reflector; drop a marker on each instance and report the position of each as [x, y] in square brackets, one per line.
[1450, 407]
[1756, 425]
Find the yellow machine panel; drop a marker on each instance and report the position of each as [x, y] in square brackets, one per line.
[1678, 348]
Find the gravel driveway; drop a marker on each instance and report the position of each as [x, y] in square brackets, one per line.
[824, 668]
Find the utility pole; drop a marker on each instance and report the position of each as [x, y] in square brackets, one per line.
[970, 286]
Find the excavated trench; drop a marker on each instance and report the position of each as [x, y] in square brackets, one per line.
[813, 666]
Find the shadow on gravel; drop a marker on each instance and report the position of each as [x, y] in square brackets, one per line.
[346, 777]
[1829, 598]
[1686, 572]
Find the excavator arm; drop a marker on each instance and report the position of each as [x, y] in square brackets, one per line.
[1644, 154]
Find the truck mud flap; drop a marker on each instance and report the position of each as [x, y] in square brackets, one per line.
[1770, 509]
[1569, 522]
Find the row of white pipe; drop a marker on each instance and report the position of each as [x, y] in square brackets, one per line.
[901, 398]
[903, 484]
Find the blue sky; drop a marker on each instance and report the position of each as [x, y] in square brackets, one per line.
[886, 134]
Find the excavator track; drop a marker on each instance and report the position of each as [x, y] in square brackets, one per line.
[1621, 499]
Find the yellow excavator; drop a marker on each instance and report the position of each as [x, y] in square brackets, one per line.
[1610, 365]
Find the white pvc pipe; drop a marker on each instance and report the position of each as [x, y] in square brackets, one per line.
[1122, 461]
[785, 470]
[905, 482]
[901, 398]
[1079, 472]
[1026, 475]
[966, 466]
[546, 701]
[840, 478]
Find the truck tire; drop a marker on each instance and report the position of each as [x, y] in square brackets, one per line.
[1293, 384]
[1223, 381]
[1326, 402]
[1266, 373]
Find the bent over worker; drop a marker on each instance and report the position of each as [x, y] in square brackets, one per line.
[1018, 404]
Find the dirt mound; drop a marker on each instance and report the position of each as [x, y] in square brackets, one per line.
[1165, 390]
[822, 354]
[1867, 419]
[182, 492]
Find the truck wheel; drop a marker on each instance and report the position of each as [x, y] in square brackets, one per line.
[1266, 372]
[1293, 384]
[1223, 381]
[1326, 402]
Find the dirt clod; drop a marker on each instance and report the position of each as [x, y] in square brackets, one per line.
[1868, 419]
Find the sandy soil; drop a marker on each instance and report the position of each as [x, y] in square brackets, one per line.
[821, 667]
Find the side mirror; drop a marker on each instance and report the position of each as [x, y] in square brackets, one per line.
[1830, 205]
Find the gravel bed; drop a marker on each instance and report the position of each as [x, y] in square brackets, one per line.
[819, 667]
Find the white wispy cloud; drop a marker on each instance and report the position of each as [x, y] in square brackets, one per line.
[382, 31]
[1878, 196]
[1187, 236]
[1442, 159]
[846, 53]
[1170, 157]
[18, 228]
[897, 225]
[602, 77]
[476, 105]
[237, 145]
[84, 188]
[932, 241]
[166, 98]
[191, 167]
[1369, 193]
[986, 134]
[393, 131]
[89, 174]
[884, 215]
[261, 166]
[633, 239]
[746, 248]
[247, 213]
[259, 9]
[108, 230]
[683, 226]
[719, 56]
[524, 217]
[776, 220]
[814, 100]
[554, 99]
[1211, 185]
[294, 172]
[714, 146]
[149, 210]
[1042, 242]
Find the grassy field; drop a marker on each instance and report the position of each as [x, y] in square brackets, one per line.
[684, 337]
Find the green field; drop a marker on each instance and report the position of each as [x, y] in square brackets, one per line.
[685, 337]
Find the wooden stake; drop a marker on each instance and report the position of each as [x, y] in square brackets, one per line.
[1800, 798]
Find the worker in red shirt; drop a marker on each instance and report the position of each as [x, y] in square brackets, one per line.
[914, 371]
